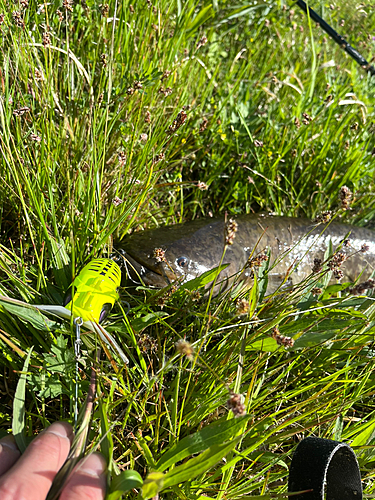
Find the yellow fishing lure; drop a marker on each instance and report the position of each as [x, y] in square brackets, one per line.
[94, 291]
[90, 297]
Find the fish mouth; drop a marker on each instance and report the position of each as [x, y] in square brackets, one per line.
[139, 273]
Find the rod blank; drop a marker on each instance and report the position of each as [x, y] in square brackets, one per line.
[337, 38]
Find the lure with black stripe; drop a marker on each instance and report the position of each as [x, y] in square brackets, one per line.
[94, 291]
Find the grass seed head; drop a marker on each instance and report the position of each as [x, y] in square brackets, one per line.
[195, 295]
[35, 138]
[147, 343]
[18, 20]
[46, 39]
[68, 5]
[235, 403]
[345, 197]
[362, 287]
[185, 348]
[104, 9]
[257, 260]
[324, 217]
[203, 125]
[317, 267]
[338, 274]
[158, 158]
[117, 201]
[21, 111]
[242, 306]
[166, 74]
[38, 75]
[159, 255]
[282, 339]
[231, 227]
[202, 186]
[165, 91]
[336, 261]
[202, 42]
[122, 158]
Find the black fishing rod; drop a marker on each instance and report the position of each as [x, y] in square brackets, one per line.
[337, 38]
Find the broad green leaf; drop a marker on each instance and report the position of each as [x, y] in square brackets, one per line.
[365, 436]
[325, 330]
[47, 386]
[200, 464]
[124, 482]
[61, 359]
[140, 324]
[153, 483]
[28, 313]
[333, 289]
[218, 432]
[18, 421]
[268, 344]
[202, 280]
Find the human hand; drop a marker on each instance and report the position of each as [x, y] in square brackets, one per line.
[29, 477]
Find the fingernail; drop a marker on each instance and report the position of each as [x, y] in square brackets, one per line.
[9, 442]
[62, 429]
[93, 465]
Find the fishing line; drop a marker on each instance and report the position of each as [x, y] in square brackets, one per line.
[359, 59]
[77, 351]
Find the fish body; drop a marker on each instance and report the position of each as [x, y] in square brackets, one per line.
[192, 248]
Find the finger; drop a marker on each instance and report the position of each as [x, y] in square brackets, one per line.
[31, 476]
[88, 481]
[9, 453]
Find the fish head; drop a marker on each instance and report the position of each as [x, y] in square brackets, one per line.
[158, 257]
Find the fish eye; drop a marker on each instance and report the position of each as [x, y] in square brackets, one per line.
[182, 262]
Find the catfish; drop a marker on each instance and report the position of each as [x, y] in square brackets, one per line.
[182, 252]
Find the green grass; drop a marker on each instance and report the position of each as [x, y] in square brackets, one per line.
[76, 174]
